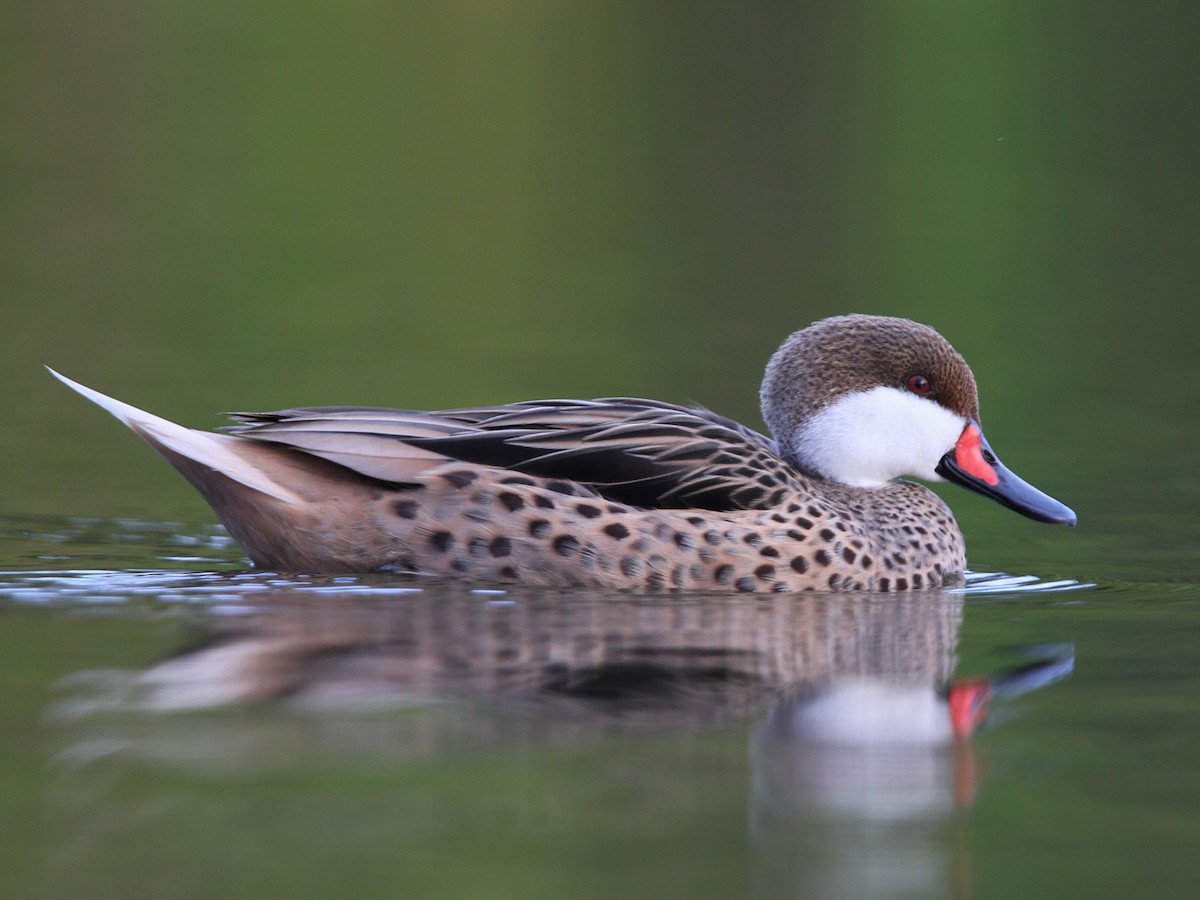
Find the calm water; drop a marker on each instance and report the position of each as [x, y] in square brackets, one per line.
[233, 206]
[181, 727]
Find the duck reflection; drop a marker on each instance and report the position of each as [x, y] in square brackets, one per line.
[656, 662]
[855, 780]
[859, 758]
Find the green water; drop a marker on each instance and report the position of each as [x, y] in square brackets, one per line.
[231, 206]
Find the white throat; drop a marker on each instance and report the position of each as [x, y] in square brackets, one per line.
[869, 438]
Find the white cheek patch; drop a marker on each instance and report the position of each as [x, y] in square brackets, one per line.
[869, 438]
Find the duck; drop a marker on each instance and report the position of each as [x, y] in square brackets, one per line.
[625, 493]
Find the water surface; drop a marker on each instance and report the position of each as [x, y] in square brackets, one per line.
[193, 728]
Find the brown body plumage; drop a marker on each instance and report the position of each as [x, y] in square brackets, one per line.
[621, 493]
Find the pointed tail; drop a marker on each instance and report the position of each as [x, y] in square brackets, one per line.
[221, 453]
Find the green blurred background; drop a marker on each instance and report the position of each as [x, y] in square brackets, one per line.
[248, 205]
[236, 205]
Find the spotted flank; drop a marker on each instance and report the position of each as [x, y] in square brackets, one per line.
[558, 533]
[626, 493]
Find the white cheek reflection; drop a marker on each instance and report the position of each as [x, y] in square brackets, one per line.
[854, 786]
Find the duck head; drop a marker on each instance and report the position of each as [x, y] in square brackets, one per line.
[863, 400]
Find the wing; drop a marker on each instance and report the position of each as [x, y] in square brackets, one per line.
[640, 452]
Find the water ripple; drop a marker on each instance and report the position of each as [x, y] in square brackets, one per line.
[1003, 583]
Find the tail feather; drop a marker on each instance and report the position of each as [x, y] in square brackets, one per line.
[221, 453]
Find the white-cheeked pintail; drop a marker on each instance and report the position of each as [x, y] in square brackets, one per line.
[626, 493]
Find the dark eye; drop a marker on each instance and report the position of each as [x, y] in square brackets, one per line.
[918, 384]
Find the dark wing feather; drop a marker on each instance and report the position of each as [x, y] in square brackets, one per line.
[642, 452]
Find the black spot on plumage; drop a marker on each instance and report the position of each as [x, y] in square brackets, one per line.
[796, 535]
[916, 579]
[772, 552]
[477, 547]
[655, 582]
[405, 509]
[683, 541]
[539, 528]
[902, 584]
[776, 517]
[697, 521]
[616, 531]
[561, 487]
[723, 574]
[566, 545]
[587, 510]
[765, 572]
[865, 562]
[510, 501]
[630, 566]
[500, 546]
[827, 535]
[517, 480]
[885, 584]
[745, 584]
[835, 582]
[507, 573]
[543, 501]
[712, 538]
[460, 478]
[441, 541]
[753, 539]
[815, 511]
[800, 564]
[823, 558]
[804, 523]
[849, 555]
[460, 566]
